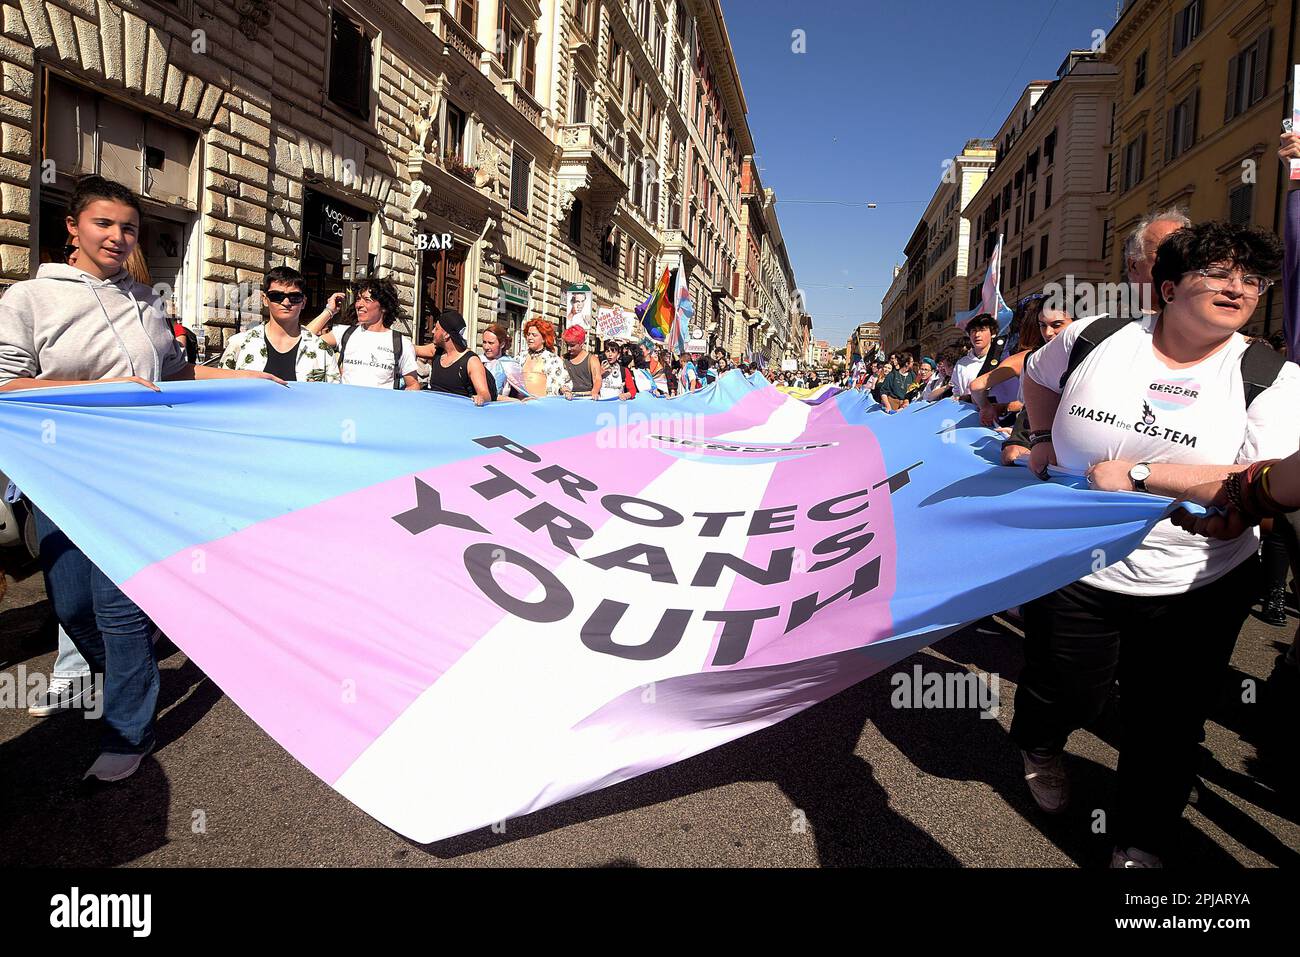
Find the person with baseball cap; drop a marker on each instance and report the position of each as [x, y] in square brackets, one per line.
[584, 368]
[455, 369]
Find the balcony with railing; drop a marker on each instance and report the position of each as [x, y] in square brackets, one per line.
[523, 101]
[590, 168]
[452, 32]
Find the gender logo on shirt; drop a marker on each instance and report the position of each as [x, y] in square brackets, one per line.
[1173, 394]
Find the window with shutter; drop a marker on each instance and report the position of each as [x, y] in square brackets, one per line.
[1140, 72]
[1047, 193]
[578, 111]
[521, 169]
[575, 223]
[1187, 26]
[467, 14]
[349, 82]
[1181, 129]
[1241, 202]
[1042, 252]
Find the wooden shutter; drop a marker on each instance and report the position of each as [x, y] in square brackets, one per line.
[1230, 108]
[530, 64]
[503, 35]
[1259, 81]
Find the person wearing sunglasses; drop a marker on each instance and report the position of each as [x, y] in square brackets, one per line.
[281, 345]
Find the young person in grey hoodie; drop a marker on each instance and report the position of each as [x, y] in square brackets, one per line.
[73, 325]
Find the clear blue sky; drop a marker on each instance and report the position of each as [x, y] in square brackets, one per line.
[885, 92]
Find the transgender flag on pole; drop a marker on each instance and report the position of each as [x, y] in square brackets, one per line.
[991, 300]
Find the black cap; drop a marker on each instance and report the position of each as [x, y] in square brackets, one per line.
[453, 323]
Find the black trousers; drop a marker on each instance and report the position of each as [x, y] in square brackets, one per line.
[1281, 551]
[1173, 651]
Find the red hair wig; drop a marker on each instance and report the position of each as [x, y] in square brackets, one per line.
[545, 328]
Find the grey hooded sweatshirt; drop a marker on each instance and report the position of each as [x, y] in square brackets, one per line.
[66, 324]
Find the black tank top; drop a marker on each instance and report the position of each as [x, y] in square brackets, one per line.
[454, 379]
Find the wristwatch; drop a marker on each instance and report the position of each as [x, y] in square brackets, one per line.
[1138, 475]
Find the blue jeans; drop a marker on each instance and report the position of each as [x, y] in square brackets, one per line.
[69, 663]
[112, 634]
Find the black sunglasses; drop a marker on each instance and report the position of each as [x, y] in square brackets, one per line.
[294, 297]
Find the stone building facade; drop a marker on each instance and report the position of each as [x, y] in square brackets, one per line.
[1195, 122]
[1047, 193]
[496, 152]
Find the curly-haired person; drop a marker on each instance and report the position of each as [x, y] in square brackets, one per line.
[544, 371]
[371, 353]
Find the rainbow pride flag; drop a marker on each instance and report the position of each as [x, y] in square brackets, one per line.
[573, 593]
[657, 313]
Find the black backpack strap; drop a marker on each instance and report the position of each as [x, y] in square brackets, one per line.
[994, 357]
[1098, 331]
[398, 381]
[1260, 366]
[343, 344]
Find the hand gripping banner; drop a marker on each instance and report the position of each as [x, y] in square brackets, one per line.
[456, 615]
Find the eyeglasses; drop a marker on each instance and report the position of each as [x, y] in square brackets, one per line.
[294, 297]
[1217, 279]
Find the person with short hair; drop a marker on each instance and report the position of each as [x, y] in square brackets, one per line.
[583, 367]
[896, 385]
[457, 369]
[280, 345]
[370, 352]
[1140, 253]
[1158, 405]
[980, 331]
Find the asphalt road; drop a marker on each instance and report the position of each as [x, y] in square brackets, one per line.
[853, 781]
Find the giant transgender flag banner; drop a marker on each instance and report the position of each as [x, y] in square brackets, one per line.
[456, 615]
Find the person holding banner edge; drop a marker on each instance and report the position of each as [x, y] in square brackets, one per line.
[79, 324]
[1161, 405]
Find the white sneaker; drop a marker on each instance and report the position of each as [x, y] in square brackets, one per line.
[1134, 857]
[1047, 782]
[114, 767]
[62, 693]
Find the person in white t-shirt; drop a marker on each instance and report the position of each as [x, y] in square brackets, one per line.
[1161, 405]
[366, 350]
[981, 331]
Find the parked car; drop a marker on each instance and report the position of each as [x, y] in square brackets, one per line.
[17, 523]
